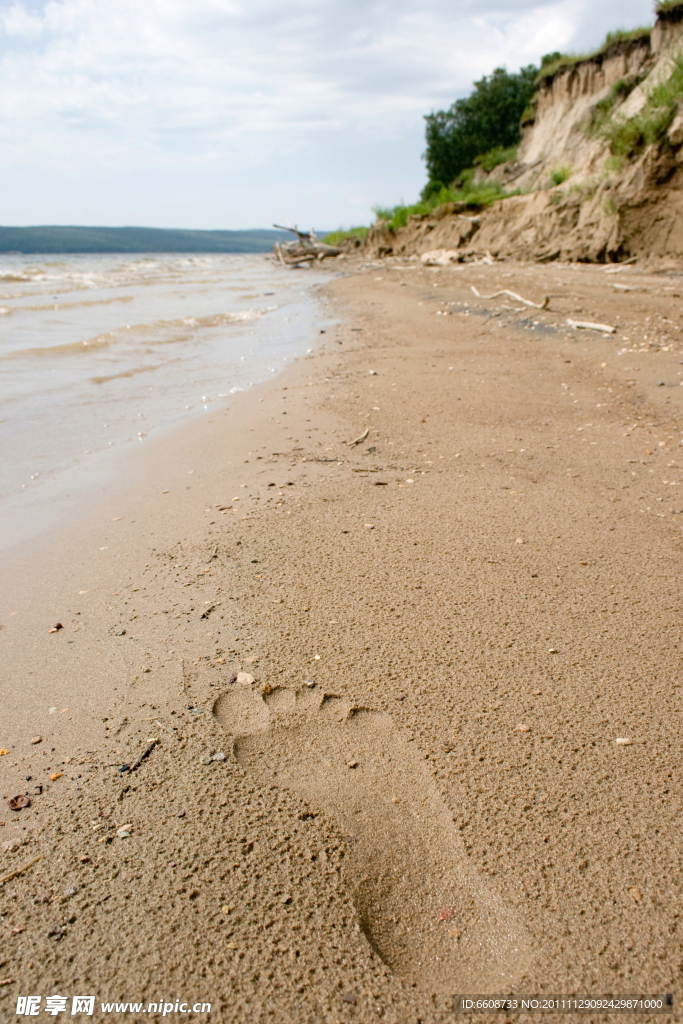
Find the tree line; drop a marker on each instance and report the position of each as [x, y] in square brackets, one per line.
[486, 121]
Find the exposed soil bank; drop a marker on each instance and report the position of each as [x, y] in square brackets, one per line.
[598, 181]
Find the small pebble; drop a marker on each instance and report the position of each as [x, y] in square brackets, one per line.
[523, 728]
[220, 756]
[352, 764]
[309, 682]
[36, 739]
[623, 742]
[206, 759]
[181, 814]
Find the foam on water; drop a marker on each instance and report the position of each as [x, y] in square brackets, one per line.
[100, 352]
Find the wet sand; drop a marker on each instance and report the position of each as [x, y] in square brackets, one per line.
[436, 637]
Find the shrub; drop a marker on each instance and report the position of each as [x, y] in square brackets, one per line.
[432, 188]
[496, 156]
[560, 174]
[614, 163]
[627, 136]
[487, 119]
[602, 111]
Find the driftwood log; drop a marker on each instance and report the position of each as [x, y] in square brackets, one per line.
[306, 249]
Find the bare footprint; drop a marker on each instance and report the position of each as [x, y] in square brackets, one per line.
[422, 906]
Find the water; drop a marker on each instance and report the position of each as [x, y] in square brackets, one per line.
[98, 353]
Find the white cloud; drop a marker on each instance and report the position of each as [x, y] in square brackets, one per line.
[207, 113]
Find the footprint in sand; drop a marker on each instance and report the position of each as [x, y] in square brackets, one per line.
[424, 909]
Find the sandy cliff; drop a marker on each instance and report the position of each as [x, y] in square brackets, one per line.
[622, 195]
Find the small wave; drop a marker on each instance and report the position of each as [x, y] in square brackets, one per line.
[127, 373]
[74, 348]
[159, 332]
[77, 305]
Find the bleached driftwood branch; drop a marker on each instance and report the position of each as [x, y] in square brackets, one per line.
[586, 325]
[515, 296]
[305, 249]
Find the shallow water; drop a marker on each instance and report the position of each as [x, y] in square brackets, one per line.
[98, 353]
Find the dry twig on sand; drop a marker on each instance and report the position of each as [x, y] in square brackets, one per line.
[359, 439]
[19, 871]
[514, 295]
[145, 753]
[586, 325]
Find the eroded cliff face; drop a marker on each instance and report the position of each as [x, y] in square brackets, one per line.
[608, 208]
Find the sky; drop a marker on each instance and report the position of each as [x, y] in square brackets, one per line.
[237, 113]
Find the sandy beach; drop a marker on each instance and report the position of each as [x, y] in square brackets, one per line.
[409, 707]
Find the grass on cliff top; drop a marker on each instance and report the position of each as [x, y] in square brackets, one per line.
[664, 6]
[335, 237]
[568, 60]
[475, 195]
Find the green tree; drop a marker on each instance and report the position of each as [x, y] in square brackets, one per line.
[487, 118]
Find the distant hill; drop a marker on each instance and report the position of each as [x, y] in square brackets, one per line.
[54, 239]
